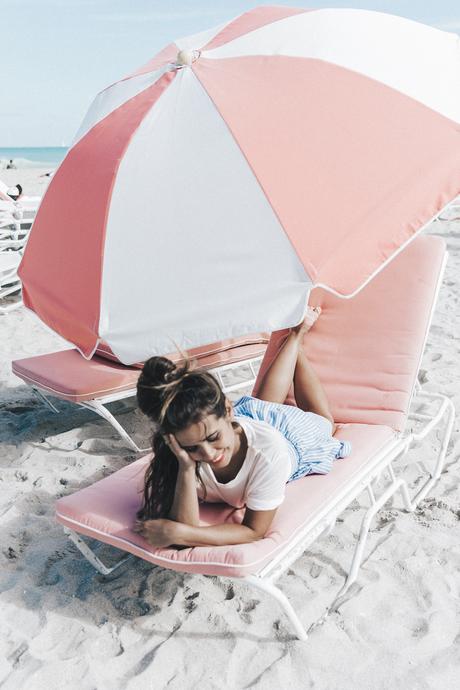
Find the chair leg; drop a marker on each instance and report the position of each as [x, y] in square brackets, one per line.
[268, 586]
[43, 397]
[447, 411]
[90, 555]
[102, 411]
[375, 506]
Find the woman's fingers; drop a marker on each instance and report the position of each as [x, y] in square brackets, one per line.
[182, 456]
[157, 532]
[175, 447]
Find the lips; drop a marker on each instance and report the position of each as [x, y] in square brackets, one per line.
[218, 459]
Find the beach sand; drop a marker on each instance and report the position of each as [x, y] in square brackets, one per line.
[64, 626]
[34, 181]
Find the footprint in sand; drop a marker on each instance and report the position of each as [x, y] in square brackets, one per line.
[190, 603]
[421, 629]
[229, 592]
[247, 608]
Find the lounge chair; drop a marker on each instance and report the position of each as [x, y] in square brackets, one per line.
[9, 280]
[24, 210]
[13, 239]
[367, 351]
[102, 380]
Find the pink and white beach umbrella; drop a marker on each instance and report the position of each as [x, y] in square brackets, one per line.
[208, 192]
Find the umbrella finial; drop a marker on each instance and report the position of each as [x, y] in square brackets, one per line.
[186, 57]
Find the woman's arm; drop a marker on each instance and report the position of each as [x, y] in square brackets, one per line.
[185, 505]
[161, 533]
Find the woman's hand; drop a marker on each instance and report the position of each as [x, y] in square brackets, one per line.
[183, 458]
[158, 533]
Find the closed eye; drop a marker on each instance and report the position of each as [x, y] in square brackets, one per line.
[210, 439]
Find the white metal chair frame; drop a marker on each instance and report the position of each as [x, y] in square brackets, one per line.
[13, 239]
[9, 279]
[15, 225]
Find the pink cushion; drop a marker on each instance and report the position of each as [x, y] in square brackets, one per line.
[107, 509]
[367, 350]
[69, 376]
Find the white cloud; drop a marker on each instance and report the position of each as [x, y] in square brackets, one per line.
[452, 25]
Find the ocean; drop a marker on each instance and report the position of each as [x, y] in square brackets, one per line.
[32, 156]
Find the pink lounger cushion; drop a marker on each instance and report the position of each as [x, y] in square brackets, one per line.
[367, 350]
[68, 375]
[106, 511]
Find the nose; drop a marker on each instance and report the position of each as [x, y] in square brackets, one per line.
[207, 452]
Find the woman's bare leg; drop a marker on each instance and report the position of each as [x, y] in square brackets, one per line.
[308, 390]
[278, 378]
[292, 366]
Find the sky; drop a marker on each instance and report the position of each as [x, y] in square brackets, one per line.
[56, 55]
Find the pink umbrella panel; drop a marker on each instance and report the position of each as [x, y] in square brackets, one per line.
[207, 193]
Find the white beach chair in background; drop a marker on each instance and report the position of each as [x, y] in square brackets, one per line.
[367, 352]
[23, 211]
[9, 280]
[29, 206]
[13, 239]
[15, 223]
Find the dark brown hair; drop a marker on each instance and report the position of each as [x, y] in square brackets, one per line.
[173, 397]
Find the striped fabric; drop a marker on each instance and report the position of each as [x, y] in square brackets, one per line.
[222, 156]
[308, 433]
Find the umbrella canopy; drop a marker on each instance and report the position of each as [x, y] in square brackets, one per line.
[208, 192]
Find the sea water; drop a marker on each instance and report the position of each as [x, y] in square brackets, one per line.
[32, 156]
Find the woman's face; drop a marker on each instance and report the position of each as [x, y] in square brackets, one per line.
[211, 440]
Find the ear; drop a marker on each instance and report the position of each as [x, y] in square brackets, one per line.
[229, 408]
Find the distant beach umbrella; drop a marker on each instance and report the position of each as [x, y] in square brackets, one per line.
[208, 192]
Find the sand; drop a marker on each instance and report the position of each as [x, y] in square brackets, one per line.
[64, 626]
[34, 181]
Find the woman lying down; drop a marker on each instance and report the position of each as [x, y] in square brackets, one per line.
[243, 455]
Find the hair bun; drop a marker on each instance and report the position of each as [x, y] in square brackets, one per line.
[156, 383]
[157, 371]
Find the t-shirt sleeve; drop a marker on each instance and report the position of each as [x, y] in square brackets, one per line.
[266, 487]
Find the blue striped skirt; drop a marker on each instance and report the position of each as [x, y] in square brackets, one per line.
[309, 434]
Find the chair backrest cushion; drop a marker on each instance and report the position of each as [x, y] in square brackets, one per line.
[367, 349]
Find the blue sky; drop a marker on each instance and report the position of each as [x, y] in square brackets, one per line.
[57, 54]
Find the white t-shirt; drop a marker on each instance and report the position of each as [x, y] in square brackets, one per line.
[260, 483]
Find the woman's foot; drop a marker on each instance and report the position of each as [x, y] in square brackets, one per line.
[310, 318]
